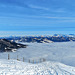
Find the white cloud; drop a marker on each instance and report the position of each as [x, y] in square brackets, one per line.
[60, 10]
[38, 7]
[61, 17]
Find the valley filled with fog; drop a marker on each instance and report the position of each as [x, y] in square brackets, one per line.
[63, 52]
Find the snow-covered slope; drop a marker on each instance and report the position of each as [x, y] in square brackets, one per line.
[14, 67]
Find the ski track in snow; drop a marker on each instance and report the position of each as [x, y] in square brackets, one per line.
[14, 67]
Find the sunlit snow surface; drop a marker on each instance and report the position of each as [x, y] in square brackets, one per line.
[14, 67]
[61, 52]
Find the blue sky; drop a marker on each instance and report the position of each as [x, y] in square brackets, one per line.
[56, 16]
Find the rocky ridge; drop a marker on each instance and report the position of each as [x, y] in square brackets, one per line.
[6, 45]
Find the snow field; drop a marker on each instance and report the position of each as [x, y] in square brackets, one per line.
[14, 67]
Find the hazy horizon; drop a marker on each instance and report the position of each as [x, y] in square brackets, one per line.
[32, 33]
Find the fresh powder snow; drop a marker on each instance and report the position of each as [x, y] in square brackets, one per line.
[14, 67]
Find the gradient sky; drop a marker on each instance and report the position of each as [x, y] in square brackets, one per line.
[37, 15]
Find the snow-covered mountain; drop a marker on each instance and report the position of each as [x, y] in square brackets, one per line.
[14, 67]
[43, 39]
[54, 54]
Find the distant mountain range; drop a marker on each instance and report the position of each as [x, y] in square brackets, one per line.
[43, 39]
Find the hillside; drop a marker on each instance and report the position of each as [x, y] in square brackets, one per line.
[13, 67]
[6, 45]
